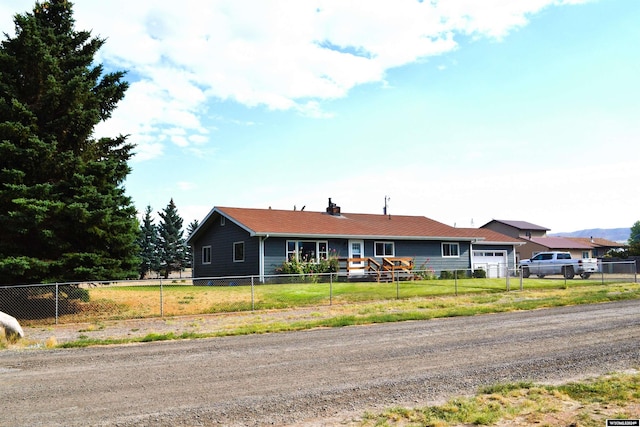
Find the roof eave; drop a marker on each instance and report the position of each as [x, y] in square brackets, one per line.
[360, 237]
[491, 242]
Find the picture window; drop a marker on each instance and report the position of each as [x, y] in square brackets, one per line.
[384, 249]
[450, 250]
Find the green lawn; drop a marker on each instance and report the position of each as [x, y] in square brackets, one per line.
[152, 300]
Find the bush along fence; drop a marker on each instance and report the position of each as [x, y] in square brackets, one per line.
[97, 301]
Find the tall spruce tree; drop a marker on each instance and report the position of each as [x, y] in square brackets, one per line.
[192, 227]
[64, 214]
[148, 242]
[174, 253]
[190, 230]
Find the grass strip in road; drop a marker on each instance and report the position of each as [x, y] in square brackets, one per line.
[586, 403]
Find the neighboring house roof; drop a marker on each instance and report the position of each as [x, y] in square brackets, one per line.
[597, 242]
[558, 243]
[522, 225]
[491, 237]
[286, 223]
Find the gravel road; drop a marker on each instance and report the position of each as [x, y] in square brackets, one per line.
[313, 378]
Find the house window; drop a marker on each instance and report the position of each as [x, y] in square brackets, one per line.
[206, 254]
[238, 252]
[384, 249]
[450, 250]
[222, 221]
[585, 254]
[307, 250]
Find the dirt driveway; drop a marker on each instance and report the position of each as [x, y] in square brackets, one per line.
[317, 377]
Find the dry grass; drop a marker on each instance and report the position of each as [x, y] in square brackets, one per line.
[587, 403]
[149, 300]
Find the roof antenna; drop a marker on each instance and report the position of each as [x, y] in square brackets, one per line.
[385, 210]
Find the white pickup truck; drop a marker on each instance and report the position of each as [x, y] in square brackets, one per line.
[550, 263]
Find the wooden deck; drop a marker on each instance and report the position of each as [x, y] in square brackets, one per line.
[369, 269]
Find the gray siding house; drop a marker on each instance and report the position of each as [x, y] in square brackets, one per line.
[240, 241]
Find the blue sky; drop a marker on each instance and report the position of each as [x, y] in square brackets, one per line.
[458, 110]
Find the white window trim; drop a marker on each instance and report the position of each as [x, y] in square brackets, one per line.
[223, 221]
[297, 248]
[234, 251]
[450, 244]
[203, 254]
[375, 247]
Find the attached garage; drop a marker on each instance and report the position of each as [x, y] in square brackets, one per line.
[492, 261]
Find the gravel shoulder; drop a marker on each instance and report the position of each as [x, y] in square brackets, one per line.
[311, 378]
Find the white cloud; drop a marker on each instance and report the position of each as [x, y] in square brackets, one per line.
[198, 139]
[185, 185]
[281, 54]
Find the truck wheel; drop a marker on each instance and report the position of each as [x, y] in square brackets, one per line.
[525, 272]
[568, 272]
[585, 275]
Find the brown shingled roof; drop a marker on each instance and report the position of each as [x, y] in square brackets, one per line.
[597, 242]
[521, 225]
[307, 223]
[490, 236]
[558, 243]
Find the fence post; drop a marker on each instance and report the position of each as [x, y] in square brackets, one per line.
[161, 299]
[331, 289]
[521, 280]
[397, 283]
[508, 274]
[253, 307]
[635, 271]
[455, 278]
[57, 302]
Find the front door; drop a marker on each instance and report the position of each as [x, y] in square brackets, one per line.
[356, 250]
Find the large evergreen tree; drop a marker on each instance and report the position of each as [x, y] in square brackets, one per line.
[192, 227]
[174, 253]
[148, 242]
[64, 214]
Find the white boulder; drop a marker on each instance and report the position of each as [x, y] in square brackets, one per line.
[10, 325]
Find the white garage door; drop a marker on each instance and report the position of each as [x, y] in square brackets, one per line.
[493, 262]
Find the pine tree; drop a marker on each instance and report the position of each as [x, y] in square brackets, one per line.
[174, 253]
[192, 227]
[64, 214]
[148, 242]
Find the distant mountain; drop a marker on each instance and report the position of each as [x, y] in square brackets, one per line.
[620, 235]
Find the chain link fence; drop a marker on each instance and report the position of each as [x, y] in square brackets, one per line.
[96, 301]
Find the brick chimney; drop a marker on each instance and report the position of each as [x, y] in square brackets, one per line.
[333, 209]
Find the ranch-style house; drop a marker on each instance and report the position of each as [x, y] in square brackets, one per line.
[255, 242]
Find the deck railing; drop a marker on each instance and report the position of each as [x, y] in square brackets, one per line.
[381, 271]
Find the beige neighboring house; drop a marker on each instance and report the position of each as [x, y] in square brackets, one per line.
[521, 230]
[599, 246]
[535, 245]
[517, 229]
[536, 240]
